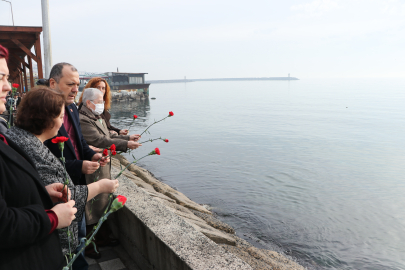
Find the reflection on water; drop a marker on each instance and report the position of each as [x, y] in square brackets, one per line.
[122, 113]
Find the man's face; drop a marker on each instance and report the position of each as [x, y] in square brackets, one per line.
[68, 84]
[4, 84]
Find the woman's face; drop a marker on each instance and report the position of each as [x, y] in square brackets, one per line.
[4, 84]
[101, 86]
[57, 123]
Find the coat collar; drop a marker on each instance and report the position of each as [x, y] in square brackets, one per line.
[87, 112]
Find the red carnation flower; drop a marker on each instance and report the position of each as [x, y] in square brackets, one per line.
[60, 139]
[112, 147]
[157, 151]
[105, 152]
[166, 140]
[135, 116]
[118, 203]
[15, 85]
[122, 199]
[171, 113]
[113, 152]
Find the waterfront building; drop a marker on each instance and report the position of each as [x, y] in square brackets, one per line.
[120, 81]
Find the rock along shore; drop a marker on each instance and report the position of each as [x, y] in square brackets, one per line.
[203, 220]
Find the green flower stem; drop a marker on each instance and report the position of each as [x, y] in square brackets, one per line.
[133, 162]
[151, 140]
[61, 146]
[153, 124]
[102, 219]
[133, 120]
[70, 250]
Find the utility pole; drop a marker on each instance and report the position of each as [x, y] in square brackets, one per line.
[11, 6]
[47, 37]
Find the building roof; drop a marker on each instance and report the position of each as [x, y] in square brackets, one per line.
[19, 40]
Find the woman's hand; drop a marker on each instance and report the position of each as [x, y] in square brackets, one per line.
[57, 194]
[103, 160]
[108, 186]
[90, 167]
[133, 145]
[124, 132]
[134, 137]
[112, 132]
[65, 213]
[95, 149]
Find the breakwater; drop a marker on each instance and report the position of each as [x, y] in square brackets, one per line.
[225, 79]
[161, 228]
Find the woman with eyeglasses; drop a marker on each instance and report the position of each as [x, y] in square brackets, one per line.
[96, 133]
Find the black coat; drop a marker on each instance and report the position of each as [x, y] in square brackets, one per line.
[25, 242]
[73, 165]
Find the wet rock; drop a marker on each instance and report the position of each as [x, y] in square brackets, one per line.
[177, 207]
[279, 258]
[159, 195]
[214, 222]
[216, 236]
[181, 199]
[245, 256]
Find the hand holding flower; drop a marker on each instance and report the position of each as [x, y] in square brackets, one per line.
[134, 137]
[99, 158]
[133, 145]
[58, 192]
[102, 186]
[65, 213]
[123, 132]
[90, 167]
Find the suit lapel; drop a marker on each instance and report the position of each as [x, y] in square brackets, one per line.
[75, 125]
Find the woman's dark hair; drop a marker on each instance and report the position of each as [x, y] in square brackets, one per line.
[38, 109]
[3, 53]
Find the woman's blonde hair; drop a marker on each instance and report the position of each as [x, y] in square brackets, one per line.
[93, 84]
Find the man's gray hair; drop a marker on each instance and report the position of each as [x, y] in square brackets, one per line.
[91, 94]
[56, 71]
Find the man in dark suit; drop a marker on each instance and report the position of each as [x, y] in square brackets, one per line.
[80, 159]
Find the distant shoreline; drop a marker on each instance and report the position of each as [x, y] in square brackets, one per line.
[226, 79]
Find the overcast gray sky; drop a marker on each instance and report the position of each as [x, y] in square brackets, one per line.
[216, 39]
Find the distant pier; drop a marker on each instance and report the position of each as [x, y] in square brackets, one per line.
[226, 79]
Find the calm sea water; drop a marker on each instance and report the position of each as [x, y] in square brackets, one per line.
[312, 168]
